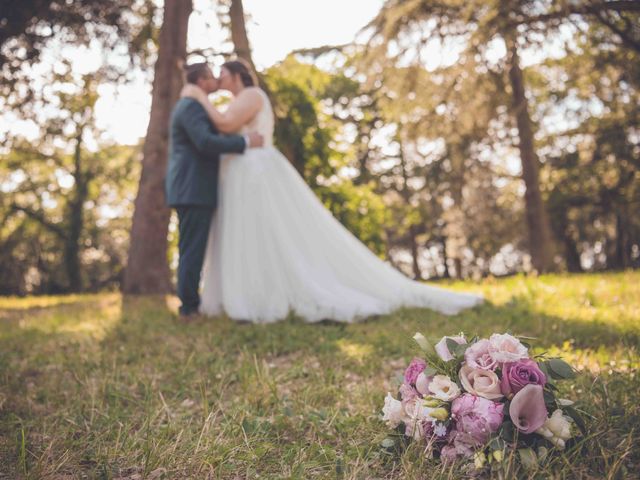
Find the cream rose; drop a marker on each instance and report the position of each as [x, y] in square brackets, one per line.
[482, 383]
[556, 429]
[393, 411]
[443, 388]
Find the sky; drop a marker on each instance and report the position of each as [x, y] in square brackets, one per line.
[275, 28]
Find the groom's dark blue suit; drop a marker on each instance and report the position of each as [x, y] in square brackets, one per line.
[192, 188]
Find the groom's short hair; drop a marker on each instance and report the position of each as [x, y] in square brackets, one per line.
[196, 71]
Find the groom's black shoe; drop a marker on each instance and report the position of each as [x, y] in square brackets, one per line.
[188, 317]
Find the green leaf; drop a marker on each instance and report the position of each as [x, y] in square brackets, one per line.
[497, 444]
[560, 369]
[549, 400]
[507, 431]
[455, 348]
[528, 458]
[430, 371]
[575, 415]
[460, 349]
[388, 442]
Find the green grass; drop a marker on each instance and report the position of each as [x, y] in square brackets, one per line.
[100, 387]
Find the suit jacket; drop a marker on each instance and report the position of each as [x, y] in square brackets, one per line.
[194, 156]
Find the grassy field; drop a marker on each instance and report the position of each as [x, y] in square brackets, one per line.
[97, 386]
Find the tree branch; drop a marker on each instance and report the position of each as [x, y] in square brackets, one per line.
[623, 34]
[38, 217]
[591, 9]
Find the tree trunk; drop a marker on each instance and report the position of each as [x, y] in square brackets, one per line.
[445, 256]
[76, 219]
[572, 256]
[540, 241]
[147, 269]
[622, 255]
[406, 195]
[417, 273]
[240, 39]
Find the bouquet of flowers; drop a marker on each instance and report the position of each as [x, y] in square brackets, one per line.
[476, 398]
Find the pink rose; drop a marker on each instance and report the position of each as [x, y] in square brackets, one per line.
[414, 369]
[527, 409]
[478, 356]
[506, 348]
[516, 375]
[476, 418]
[443, 351]
[483, 383]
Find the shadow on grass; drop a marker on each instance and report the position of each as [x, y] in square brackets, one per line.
[125, 354]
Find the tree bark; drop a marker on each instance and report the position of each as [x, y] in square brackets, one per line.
[240, 39]
[622, 255]
[540, 240]
[76, 218]
[147, 269]
[406, 195]
[445, 256]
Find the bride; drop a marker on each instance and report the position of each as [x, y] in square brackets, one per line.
[275, 249]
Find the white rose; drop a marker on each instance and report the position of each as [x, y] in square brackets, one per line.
[505, 348]
[393, 412]
[443, 388]
[556, 429]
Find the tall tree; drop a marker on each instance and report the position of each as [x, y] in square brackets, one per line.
[539, 228]
[476, 25]
[240, 39]
[57, 191]
[147, 269]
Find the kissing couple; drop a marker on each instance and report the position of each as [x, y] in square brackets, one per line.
[251, 230]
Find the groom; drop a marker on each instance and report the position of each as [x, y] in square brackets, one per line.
[191, 184]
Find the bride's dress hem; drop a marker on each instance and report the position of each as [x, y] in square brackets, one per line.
[274, 249]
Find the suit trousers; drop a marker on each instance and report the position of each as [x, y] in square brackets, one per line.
[194, 223]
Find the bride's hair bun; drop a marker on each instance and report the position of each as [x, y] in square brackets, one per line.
[242, 68]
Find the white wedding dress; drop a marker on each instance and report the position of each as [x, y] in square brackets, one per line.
[275, 249]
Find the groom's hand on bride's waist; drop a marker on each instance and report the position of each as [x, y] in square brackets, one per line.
[254, 139]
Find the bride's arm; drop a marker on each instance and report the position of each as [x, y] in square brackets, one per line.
[241, 110]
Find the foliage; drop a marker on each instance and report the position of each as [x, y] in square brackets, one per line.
[66, 206]
[304, 133]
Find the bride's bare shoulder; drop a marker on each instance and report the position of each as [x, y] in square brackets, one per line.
[254, 92]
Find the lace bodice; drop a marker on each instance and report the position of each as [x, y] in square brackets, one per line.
[263, 122]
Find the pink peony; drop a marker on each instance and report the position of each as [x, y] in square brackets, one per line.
[414, 369]
[478, 356]
[476, 418]
[443, 351]
[527, 409]
[516, 375]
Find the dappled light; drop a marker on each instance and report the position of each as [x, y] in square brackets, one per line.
[222, 223]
